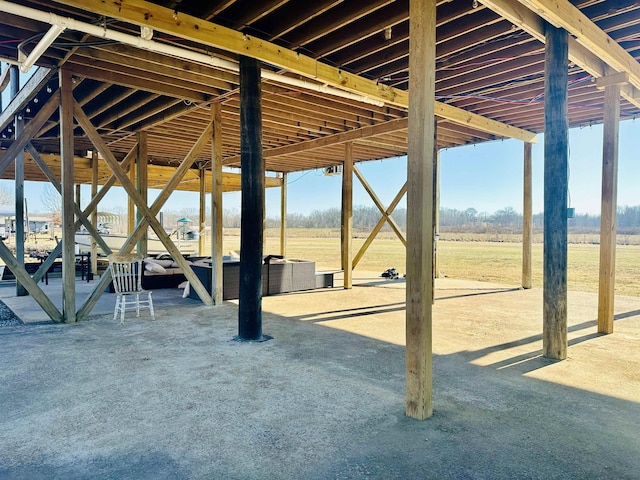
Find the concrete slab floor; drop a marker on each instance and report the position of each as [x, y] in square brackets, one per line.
[176, 398]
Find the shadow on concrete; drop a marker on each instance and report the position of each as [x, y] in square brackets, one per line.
[476, 293]
[176, 398]
[352, 312]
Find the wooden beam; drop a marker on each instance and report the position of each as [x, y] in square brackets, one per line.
[283, 216]
[216, 203]
[131, 208]
[140, 12]
[176, 71]
[82, 215]
[40, 77]
[434, 204]
[419, 356]
[5, 78]
[347, 215]
[554, 336]
[68, 204]
[142, 182]
[563, 14]
[335, 139]
[525, 16]
[202, 210]
[252, 206]
[29, 131]
[94, 213]
[102, 72]
[620, 78]
[30, 284]
[527, 216]
[436, 213]
[19, 183]
[376, 229]
[150, 212]
[386, 214]
[607, 277]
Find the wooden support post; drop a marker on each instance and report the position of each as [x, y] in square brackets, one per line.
[216, 204]
[252, 207]
[78, 194]
[131, 206]
[202, 209]
[94, 213]
[606, 289]
[347, 215]
[18, 125]
[68, 204]
[419, 361]
[556, 136]
[142, 184]
[436, 214]
[283, 216]
[527, 216]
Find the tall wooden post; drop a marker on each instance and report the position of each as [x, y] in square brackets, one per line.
[436, 212]
[347, 215]
[422, 56]
[131, 207]
[283, 216]
[527, 216]
[68, 213]
[252, 206]
[142, 184]
[606, 289]
[556, 140]
[94, 213]
[18, 126]
[202, 209]
[216, 204]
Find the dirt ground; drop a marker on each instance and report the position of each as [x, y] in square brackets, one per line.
[177, 398]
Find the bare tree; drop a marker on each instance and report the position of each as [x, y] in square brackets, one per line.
[6, 195]
[52, 201]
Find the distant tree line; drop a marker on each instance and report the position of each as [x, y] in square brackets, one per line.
[365, 217]
[450, 219]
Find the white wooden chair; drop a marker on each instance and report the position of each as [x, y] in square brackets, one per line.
[126, 271]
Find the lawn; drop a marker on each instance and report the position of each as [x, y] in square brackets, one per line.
[475, 260]
[465, 256]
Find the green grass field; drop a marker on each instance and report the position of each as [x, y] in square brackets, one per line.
[462, 255]
[474, 260]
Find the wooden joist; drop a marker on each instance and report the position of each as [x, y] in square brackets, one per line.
[591, 49]
[158, 174]
[142, 13]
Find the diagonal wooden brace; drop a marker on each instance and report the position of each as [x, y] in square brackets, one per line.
[149, 215]
[29, 284]
[379, 225]
[29, 131]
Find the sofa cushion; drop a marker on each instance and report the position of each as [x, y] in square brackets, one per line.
[156, 268]
[164, 262]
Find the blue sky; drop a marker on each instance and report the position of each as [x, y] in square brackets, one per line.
[487, 177]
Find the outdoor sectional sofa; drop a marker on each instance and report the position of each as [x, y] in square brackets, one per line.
[278, 275]
[163, 272]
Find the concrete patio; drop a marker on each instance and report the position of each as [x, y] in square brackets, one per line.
[177, 398]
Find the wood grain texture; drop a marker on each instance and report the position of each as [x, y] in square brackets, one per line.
[556, 143]
[527, 216]
[607, 277]
[419, 356]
